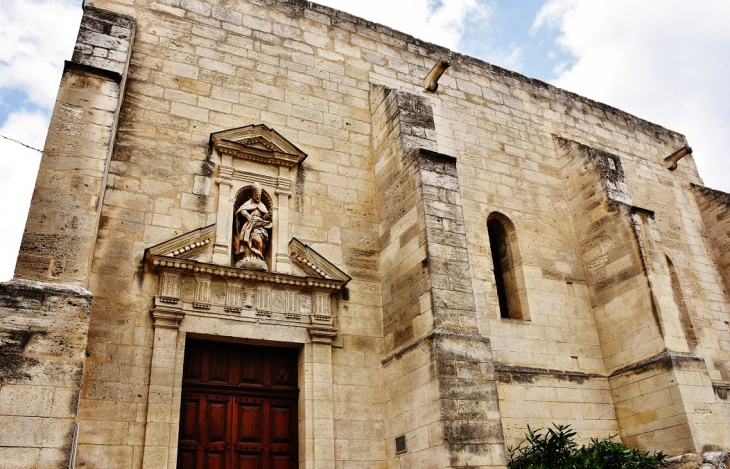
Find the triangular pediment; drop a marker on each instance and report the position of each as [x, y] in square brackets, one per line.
[185, 252]
[186, 246]
[313, 263]
[257, 143]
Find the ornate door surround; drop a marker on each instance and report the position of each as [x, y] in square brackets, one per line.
[292, 302]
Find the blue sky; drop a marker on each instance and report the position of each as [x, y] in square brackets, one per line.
[663, 60]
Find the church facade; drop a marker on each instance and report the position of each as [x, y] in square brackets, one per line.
[268, 234]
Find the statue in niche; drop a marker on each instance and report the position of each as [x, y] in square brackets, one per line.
[252, 223]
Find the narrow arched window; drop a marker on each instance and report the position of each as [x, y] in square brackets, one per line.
[508, 275]
[689, 330]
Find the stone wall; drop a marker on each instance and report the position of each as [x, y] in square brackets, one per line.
[712, 460]
[541, 397]
[428, 296]
[43, 329]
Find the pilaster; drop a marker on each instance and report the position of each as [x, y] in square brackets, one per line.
[317, 434]
[161, 429]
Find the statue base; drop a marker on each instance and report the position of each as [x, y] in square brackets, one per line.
[254, 264]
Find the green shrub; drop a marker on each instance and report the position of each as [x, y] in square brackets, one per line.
[556, 449]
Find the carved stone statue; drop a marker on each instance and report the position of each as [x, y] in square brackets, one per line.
[252, 222]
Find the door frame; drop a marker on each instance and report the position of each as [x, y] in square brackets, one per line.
[314, 371]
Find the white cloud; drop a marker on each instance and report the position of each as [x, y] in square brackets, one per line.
[18, 169]
[440, 22]
[509, 57]
[35, 38]
[662, 60]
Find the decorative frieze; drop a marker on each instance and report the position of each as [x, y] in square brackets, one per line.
[247, 301]
[263, 301]
[250, 299]
[281, 184]
[169, 287]
[202, 291]
[321, 307]
[234, 295]
[292, 306]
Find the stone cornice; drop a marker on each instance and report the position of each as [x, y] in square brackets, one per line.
[169, 263]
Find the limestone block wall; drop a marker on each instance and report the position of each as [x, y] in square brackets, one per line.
[407, 308]
[683, 241]
[161, 184]
[667, 402]
[411, 388]
[43, 329]
[104, 41]
[412, 409]
[428, 305]
[539, 398]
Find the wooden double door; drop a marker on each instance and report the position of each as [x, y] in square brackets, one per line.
[239, 407]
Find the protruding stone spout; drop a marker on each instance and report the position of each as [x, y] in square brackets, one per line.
[671, 160]
[430, 83]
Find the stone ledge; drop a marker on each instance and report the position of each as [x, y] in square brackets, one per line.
[665, 360]
[48, 287]
[435, 333]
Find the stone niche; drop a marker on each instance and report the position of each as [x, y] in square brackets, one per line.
[245, 156]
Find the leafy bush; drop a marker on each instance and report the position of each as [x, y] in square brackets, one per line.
[556, 449]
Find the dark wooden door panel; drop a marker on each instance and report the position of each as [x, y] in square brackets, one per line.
[239, 407]
[248, 426]
[282, 429]
[283, 371]
[187, 459]
[240, 365]
[281, 461]
[215, 420]
[249, 461]
[189, 421]
[251, 370]
[219, 366]
[204, 440]
[215, 460]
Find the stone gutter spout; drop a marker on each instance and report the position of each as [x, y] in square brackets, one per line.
[671, 160]
[430, 83]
